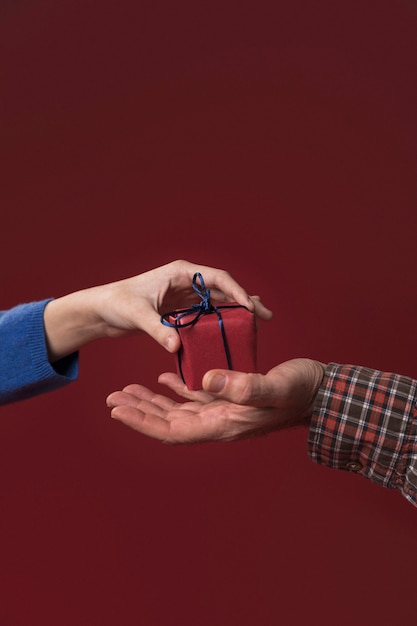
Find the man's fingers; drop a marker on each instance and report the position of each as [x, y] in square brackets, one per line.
[174, 382]
[136, 395]
[150, 425]
[176, 427]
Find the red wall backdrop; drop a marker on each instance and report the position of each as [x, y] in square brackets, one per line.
[276, 140]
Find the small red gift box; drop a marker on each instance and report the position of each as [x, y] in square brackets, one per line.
[223, 338]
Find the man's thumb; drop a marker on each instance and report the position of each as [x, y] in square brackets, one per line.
[237, 387]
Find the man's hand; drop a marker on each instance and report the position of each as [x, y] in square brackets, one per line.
[232, 406]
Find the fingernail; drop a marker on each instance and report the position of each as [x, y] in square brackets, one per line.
[216, 383]
[171, 343]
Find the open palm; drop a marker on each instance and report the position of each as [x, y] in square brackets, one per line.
[250, 405]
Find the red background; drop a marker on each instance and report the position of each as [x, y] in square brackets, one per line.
[276, 140]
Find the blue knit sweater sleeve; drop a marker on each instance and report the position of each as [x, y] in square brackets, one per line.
[24, 367]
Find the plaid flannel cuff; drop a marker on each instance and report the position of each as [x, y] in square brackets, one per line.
[364, 421]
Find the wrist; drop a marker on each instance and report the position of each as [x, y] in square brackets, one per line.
[317, 374]
[71, 322]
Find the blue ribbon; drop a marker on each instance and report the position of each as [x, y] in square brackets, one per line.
[205, 307]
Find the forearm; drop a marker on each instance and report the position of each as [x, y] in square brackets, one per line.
[365, 421]
[71, 322]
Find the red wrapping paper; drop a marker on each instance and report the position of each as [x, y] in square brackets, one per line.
[203, 348]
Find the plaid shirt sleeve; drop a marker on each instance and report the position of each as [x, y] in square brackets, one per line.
[365, 421]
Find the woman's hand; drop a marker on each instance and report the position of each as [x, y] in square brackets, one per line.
[135, 304]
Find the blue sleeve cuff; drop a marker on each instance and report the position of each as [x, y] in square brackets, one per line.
[25, 370]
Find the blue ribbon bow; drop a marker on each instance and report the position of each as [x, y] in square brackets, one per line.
[205, 307]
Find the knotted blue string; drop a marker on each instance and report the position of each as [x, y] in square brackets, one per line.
[205, 307]
[199, 309]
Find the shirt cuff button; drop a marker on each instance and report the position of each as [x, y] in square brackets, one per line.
[353, 466]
